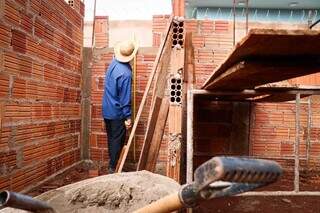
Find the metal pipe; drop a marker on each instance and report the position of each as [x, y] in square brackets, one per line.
[24, 202]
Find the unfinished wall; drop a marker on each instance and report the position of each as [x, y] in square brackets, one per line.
[272, 131]
[213, 41]
[101, 31]
[40, 72]
[159, 23]
[120, 30]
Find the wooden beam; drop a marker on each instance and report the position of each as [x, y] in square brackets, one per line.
[144, 98]
[296, 145]
[278, 98]
[157, 136]
[85, 103]
[264, 91]
[190, 108]
[251, 73]
[309, 124]
[155, 118]
[189, 75]
[270, 43]
[281, 193]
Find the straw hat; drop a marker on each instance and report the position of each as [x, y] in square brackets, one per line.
[125, 51]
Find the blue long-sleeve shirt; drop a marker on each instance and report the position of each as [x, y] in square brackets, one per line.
[116, 101]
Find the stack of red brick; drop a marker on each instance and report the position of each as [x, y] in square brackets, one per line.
[40, 74]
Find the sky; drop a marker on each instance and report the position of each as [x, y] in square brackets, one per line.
[127, 9]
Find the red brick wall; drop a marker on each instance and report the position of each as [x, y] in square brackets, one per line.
[178, 7]
[212, 42]
[101, 31]
[40, 72]
[159, 24]
[272, 125]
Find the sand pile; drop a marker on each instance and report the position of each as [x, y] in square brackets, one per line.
[117, 193]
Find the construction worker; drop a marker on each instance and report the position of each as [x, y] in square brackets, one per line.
[116, 103]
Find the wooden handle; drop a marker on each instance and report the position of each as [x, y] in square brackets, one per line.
[167, 204]
[124, 148]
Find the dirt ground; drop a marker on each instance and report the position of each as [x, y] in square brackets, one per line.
[294, 204]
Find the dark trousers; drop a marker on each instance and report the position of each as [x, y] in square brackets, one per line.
[116, 133]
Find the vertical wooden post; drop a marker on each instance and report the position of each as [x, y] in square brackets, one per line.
[308, 129]
[296, 145]
[85, 103]
[134, 101]
[190, 109]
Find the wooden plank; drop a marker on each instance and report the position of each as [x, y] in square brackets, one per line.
[278, 98]
[157, 136]
[190, 115]
[121, 156]
[151, 139]
[189, 76]
[309, 126]
[142, 164]
[261, 43]
[265, 94]
[296, 145]
[251, 73]
[144, 98]
[85, 103]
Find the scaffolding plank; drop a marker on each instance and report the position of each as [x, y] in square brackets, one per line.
[268, 44]
[279, 98]
[158, 111]
[250, 73]
[153, 151]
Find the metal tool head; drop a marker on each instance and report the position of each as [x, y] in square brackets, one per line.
[226, 176]
[236, 169]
